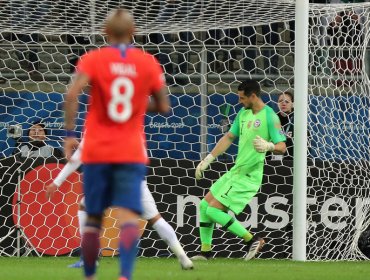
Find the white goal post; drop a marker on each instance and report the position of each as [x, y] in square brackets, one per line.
[206, 48]
[300, 132]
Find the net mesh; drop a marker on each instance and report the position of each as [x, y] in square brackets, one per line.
[206, 48]
[151, 16]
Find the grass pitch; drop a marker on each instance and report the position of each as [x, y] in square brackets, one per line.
[46, 268]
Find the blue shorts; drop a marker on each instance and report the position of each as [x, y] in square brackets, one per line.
[108, 185]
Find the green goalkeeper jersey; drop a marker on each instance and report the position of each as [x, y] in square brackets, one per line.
[247, 126]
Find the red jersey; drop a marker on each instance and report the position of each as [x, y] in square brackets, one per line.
[121, 79]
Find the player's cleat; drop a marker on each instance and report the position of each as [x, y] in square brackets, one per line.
[203, 256]
[255, 246]
[78, 264]
[186, 263]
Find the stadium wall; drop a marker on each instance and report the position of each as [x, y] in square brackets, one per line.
[178, 195]
[177, 136]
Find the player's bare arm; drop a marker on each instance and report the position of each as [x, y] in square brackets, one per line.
[159, 102]
[50, 190]
[70, 107]
[280, 148]
[222, 145]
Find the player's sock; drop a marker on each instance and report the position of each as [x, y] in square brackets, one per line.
[129, 238]
[228, 222]
[206, 248]
[90, 248]
[248, 237]
[166, 232]
[82, 217]
[206, 227]
[168, 235]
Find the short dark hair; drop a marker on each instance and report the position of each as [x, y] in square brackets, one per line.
[289, 93]
[249, 87]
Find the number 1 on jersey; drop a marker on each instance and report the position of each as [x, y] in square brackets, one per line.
[121, 100]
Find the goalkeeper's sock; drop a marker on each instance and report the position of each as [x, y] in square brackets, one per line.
[128, 247]
[168, 235]
[206, 248]
[206, 227]
[248, 237]
[227, 222]
[90, 248]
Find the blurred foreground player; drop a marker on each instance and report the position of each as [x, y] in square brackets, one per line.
[150, 212]
[114, 155]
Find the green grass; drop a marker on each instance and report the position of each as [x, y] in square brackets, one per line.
[47, 268]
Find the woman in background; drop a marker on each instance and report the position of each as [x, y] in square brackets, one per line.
[286, 116]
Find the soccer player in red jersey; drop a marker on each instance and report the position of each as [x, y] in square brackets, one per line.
[122, 78]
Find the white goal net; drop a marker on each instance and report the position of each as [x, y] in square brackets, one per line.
[206, 49]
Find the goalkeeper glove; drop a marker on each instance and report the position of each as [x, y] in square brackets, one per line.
[203, 165]
[262, 146]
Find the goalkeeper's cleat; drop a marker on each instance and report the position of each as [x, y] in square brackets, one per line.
[78, 264]
[186, 263]
[203, 256]
[255, 246]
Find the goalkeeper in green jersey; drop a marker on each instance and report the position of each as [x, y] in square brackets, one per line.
[259, 131]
